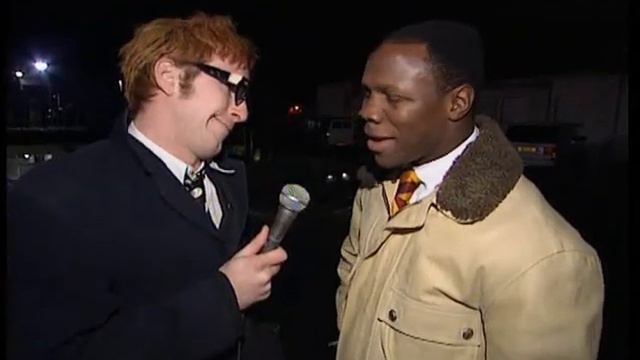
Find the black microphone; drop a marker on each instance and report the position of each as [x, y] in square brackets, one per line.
[293, 199]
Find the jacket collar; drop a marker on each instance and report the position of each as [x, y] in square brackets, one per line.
[481, 177]
[477, 182]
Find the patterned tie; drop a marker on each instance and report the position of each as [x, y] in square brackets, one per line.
[409, 182]
[194, 183]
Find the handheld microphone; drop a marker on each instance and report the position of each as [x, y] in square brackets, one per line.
[293, 199]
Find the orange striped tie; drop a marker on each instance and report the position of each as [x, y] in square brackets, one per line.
[409, 182]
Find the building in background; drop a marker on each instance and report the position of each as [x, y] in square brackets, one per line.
[594, 105]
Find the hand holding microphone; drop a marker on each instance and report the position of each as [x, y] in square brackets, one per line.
[251, 269]
[250, 272]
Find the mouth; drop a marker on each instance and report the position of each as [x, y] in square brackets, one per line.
[215, 117]
[379, 143]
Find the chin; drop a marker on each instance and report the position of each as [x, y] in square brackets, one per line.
[214, 153]
[384, 162]
[390, 162]
[209, 154]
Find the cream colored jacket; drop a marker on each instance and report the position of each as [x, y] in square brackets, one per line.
[484, 268]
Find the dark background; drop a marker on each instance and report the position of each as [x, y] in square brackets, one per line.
[304, 43]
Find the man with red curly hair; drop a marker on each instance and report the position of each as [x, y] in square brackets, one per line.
[138, 251]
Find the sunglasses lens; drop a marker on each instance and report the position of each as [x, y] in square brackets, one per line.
[241, 94]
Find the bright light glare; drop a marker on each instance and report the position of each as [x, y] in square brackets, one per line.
[41, 65]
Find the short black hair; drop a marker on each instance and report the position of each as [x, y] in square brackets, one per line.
[456, 51]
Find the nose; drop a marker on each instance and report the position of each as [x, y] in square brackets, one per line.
[239, 113]
[369, 110]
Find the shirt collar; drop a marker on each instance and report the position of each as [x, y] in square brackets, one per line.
[177, 167]
[433, 172]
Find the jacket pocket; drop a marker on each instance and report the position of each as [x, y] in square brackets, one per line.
[414, 330]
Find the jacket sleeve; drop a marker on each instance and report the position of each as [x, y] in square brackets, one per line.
[553, 310]
[348, 256]
[61, 305]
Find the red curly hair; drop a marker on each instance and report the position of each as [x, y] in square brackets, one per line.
[195, 39]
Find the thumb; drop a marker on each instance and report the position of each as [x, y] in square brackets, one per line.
[254, 246]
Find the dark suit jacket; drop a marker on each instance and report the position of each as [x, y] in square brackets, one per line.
[110, 258]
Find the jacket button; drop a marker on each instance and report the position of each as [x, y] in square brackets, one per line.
[393, 316]
[467, 333]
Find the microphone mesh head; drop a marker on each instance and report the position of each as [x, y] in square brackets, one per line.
[294, 197]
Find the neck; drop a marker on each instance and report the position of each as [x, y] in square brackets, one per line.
[464, 130]
[158, 125]
[456, 135]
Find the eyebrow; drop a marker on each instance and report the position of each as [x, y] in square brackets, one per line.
[383, 88]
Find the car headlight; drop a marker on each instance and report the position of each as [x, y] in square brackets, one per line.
[329, 178]
[345, 176]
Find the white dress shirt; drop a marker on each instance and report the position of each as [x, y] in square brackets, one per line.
[432, 173]
[179, 168]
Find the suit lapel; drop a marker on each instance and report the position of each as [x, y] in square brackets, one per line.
[233, 204]
[171, 189]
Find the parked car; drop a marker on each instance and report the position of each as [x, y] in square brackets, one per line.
[548, 145]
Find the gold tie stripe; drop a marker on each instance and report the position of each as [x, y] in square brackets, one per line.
[409, 182]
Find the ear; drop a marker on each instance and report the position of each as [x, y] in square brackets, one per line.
[460, 101]
[167, 76]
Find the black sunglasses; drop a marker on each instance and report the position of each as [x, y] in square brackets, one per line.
[237, 83]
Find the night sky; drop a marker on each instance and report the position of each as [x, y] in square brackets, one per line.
[305, 43]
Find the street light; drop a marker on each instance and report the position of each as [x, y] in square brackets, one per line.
[19, 74]
[41, 65]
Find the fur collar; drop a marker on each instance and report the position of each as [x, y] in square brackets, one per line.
[481, 177]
